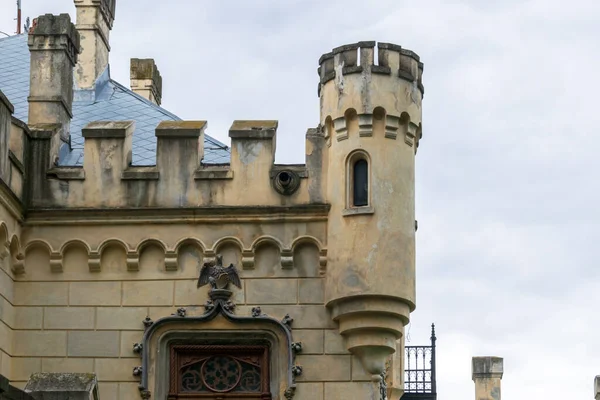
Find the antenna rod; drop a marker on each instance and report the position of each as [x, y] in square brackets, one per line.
[18, 17]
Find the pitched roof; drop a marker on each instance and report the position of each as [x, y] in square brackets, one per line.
[113, 102]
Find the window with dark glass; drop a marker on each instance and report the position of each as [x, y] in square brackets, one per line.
[360, 183]
[211, 372]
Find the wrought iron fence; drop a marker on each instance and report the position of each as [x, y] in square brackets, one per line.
[419, 371]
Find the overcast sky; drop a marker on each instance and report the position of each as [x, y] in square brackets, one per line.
[507, 171]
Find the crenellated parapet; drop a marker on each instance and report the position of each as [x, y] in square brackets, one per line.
[376, 99]
[179, 178]
[359, 58]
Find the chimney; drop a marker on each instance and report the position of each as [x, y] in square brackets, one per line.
[53, 45]
[145, 79]
[94, 22]
[487, 374]
[597, 388]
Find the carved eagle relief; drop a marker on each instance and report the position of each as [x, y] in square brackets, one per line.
[218, 276]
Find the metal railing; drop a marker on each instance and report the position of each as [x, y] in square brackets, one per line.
[419, 371]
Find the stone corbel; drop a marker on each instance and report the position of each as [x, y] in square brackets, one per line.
[171, 261]
[133, 261]
[287, 259]
[56, 264]
[341, 129]
[323, 262]
[392, 124]
[411, 132]
[18, 266]
[94, 262]
[365, 125]
[247, 259]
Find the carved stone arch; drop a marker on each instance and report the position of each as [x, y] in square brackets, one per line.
[75, 243]
[4, 240]
[351, 119]
[306, 239]
[31, 245]
[112, 242]
[189, 253]
[233, 252]
[309, 256]
[219, 326]
[379, 121]
[75, 255]
[269, 255]
[37, 252]
[152, 254]
[328, 130]
[113, 256]
[151, 242]
[190, 241]
[266, 239]
[228, 240]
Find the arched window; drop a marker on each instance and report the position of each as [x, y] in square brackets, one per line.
[360, 183]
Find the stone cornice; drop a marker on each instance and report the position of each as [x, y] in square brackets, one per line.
[206, 215]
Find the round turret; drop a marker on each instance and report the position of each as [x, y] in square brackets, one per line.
[371, 117]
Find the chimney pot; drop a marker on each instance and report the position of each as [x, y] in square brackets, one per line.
[487, 374]
[94, 21]
[54, 45]
[145, 79]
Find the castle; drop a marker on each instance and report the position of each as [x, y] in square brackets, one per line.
[111, 208]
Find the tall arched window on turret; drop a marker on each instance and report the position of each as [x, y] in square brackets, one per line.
[360, 190]
[358, 184]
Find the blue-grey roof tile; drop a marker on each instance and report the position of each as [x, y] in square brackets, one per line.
[114, 102]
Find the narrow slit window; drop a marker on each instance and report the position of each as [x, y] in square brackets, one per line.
[361, 183]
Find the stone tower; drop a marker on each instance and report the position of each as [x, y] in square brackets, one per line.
[371, 116]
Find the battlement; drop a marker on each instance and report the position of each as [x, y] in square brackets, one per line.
[358, 58]
[179, 179]
[361, 98]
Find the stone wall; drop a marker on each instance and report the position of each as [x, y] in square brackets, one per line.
[12, 136]
[75, 315]
[9, 249]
